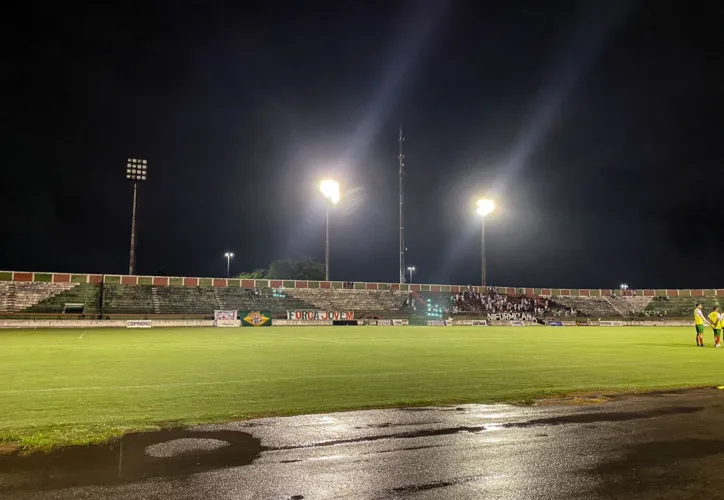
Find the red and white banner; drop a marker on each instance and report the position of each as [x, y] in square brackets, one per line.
[303, 314]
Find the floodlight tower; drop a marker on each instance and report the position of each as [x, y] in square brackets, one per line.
[228, 256]
[485, 207]
[136, 171]
[401, 161]
[330, 190]
[411, 270]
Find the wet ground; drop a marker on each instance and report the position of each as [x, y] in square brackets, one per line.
[656, 446]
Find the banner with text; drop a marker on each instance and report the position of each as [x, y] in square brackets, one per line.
[255, 318]
[226, 318]
[311, 314]
[514, 316]
[138, 323]
[610, 323]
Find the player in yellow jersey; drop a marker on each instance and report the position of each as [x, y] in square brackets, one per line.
[699, 321]
[715, 318]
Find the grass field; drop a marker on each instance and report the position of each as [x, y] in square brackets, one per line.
[62, 387]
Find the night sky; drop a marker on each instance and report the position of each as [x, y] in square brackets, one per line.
[596, 127]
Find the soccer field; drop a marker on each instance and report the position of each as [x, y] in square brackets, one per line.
[76, 386]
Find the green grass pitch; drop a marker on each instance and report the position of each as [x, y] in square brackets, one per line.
[74, 386]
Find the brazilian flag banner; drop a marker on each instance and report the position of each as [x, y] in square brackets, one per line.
[255, 318]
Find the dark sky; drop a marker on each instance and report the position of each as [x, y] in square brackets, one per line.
[596, 126]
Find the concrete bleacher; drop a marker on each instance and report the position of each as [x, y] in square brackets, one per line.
[128, 299]
[86, 294]
[25, 297]
[678, 306]
[263, 299]
[593, 307]
[184, 300]
[19, 296]
[629, 306]
[383, 303]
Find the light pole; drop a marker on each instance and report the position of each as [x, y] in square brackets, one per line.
[411, 270]
[485, 207]
[228, 256]
[136, 171]
[330, 190]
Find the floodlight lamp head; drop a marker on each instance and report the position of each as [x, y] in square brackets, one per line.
[485, 207]
[228, 255]
[136, 169]
[330, 190]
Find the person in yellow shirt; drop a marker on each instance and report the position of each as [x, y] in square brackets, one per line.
[715, 318]
[699, 321]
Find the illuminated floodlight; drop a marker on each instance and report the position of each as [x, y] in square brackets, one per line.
[485, 207]
[330, 190]
[623, 286]
[411, 270]
[228, 256]
[136, 169]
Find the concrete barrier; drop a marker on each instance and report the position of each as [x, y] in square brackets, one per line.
[113, 323]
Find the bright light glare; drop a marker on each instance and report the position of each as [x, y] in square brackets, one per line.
[330, 190]
[228, 255]
[485, 207]
[411, 268]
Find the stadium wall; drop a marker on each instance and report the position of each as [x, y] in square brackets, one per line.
[117, 279]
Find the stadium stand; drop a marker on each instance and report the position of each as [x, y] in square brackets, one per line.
[383, 304]
[677, 306]
[277, 302]
[594, 307]
[86, 294]
[629, 306]
[184, 300]
[91, 295]
[16, 297]
[128, 299]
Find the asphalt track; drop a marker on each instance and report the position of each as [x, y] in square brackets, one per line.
[656, 446]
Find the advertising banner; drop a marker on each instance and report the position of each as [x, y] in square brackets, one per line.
[514, 316]
[311, 314]
[138, 323]
[610, 323]
[479, 322]
[587, 323]
[226, 318]
[554, 323]
[401, 322]
[384, 322]
[517, 323]
[255, 318]
[436, 322]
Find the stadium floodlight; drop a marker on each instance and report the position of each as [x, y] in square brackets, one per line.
[228, 256]
[136, 171]
[411, 270]
[485, 208]
[330, 190]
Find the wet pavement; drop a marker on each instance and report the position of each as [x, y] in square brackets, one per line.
[656, 446]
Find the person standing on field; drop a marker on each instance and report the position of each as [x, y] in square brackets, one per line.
[699, 321]
[715, 318]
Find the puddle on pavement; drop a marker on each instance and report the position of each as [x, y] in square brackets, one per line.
[167, 453]
[590, 418]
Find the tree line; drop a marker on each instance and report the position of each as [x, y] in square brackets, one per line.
[288, 269]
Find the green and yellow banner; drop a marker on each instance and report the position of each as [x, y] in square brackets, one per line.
[255, 318]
